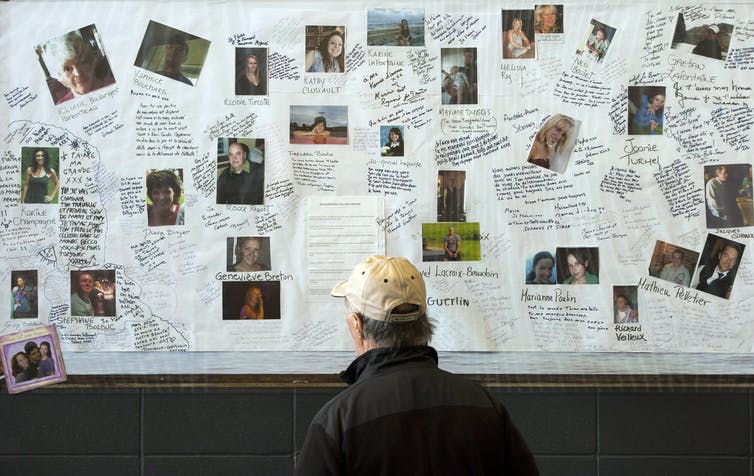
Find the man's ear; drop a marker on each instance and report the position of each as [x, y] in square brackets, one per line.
[354, 325]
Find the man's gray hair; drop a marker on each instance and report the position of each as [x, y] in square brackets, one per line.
[398, 334]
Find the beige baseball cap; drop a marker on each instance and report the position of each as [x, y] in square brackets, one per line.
[380, 284]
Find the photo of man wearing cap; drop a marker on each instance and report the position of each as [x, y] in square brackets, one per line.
[401, 414]
[709, 46]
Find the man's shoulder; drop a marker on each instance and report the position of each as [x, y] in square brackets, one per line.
[384, 387]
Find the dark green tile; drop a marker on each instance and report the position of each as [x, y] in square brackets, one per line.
[70, 423]
[557, 423]
[258, 422]
[219, 465]
[76, 465]
[664, 466]
[674, 423]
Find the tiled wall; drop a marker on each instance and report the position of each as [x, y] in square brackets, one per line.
[580, 432]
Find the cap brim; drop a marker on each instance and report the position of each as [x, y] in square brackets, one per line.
[340, 289]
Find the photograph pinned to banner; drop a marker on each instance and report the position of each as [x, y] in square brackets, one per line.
[32, 358]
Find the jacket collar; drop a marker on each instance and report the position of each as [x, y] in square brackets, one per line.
[385, 358]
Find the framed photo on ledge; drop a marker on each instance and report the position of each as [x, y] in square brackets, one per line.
[32, 358]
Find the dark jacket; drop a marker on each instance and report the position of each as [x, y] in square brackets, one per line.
[246, 188]
[718, 287]
[403, 415]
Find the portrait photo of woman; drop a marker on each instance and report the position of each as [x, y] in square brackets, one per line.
[75, 64]
[646, 106]
[40, 181]
[548, 19]
[553, 144]
[164, 198]
[395, 27]
[251, 300]
[518, 28]
[541, 268]
[392, 140]
[578, 265]
[325, 49]
[248, 254]
[251, 71]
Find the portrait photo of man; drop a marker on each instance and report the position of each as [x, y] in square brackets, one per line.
[625, 306]
[727, 192]
[450, 195]
[699, 37]
[453, 241]
[172, 53]
[24, 293]
[93, 293]
[672, 263]
[718, 266]
[240, 171]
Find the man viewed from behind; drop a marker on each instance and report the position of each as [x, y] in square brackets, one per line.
[401, 414]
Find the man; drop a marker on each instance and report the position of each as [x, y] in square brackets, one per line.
[710, 44]
[24, 299]
[675, 271]
[452, 245]
[470, 70]
[35, 356]
[176, 53]
[597, 45]
[721, 201]
[718, 280]
[401, 413]
[624, 314]
[237, 186]
[81, 304]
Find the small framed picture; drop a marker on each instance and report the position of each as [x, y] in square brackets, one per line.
[32, 358]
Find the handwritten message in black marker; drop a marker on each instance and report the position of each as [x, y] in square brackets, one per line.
[398, 217]
[466, 121]
[389, 181]
[314, 170]
[231, 126]
[573, 88]
[278, 189]
[356, 57]
[106, 125]
[679, 190]
[243, 39]
[283, 67]
[740, 58]
[655, 26]
[468, 148]
[422, 64]
[621, 182]
[526, 181]
[10, 190]
[416, 116]
[454, 29]
[734, 125]
[267, 222]
[19, 97]
[388, 89]
[689, 129]
[618, 112]
[162, 131]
